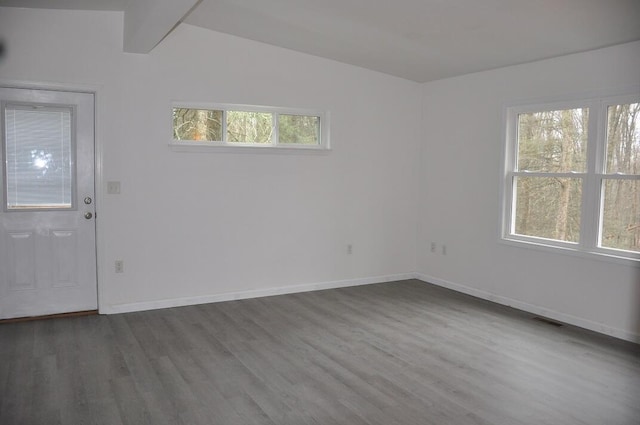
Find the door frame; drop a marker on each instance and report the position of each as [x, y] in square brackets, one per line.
[96, 91]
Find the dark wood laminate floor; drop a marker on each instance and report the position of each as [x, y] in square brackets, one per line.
[393, 353]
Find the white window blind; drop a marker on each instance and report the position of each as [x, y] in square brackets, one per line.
[38, 152]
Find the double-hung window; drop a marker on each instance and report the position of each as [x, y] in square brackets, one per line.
[572, 176]
[248, 126]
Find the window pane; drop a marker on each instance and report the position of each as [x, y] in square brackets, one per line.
[39, 160]
[548, 207]
[299, 129]
[623, 139]
[249, 127]
[621, 215]
[197, 124]
[553, 141]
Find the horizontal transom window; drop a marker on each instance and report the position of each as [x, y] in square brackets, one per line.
[248, 126]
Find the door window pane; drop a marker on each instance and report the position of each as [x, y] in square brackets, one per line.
[621, 215]
[553, 141]
[623, 139]
[548, 207]
[39, 157]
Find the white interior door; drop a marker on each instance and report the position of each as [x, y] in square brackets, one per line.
[47, 218]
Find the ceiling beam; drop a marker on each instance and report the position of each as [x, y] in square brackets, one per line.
[147, 22]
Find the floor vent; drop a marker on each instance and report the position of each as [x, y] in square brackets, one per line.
[548, 321]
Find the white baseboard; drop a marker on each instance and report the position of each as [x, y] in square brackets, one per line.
[478, 293]
[531, 308]
[253, 293]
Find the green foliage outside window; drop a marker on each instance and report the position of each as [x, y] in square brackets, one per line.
[299, 129]
[552, 149]
[621, 198]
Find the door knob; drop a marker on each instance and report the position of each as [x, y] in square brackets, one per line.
[87, 200]
[88, 215]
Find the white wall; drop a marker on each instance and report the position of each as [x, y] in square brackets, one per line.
[197, 227]
[190, 226]
[459, 193]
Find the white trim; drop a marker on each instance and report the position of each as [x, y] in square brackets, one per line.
[568, 98]
[220, 147]
[592, 177]
[532, 308]
[551, 246]
[292, 289]
[252, 293]
[99, 198]
[245, 108]
[50, 86]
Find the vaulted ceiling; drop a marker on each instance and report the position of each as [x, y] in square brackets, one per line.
[420, 40]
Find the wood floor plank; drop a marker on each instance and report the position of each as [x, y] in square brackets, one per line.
[398, 353]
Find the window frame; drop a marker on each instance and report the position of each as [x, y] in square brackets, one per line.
[274, 146]
[591, 209]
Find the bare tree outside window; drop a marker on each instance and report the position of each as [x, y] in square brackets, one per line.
[197, 124]
[249, 127]
[573, 176]
[621, 196]
[256, 126]
[551, 143]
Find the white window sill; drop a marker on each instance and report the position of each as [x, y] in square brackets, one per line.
[608, 256]
[203, 147]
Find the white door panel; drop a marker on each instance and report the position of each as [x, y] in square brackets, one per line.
[47, 245]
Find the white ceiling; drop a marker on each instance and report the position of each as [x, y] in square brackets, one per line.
[421, 40]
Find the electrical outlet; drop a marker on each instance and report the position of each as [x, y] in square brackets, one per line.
[119, 266]
[349, 249]
[433, 247]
